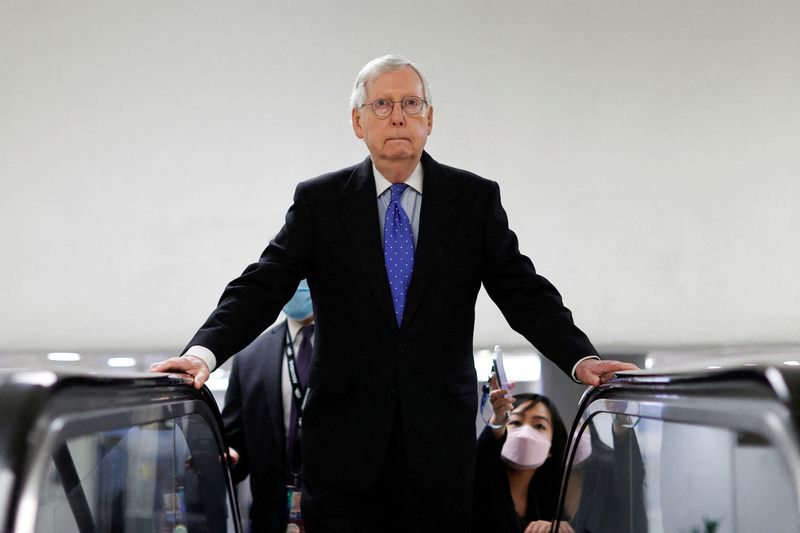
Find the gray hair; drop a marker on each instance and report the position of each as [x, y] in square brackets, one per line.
[382, 65]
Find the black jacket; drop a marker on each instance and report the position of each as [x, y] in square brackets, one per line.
[254, 427]
[364, 365]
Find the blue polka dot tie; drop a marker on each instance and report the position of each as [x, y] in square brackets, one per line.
[398, 250]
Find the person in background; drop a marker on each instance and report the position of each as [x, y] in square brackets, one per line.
[395, 249]
[605, 493]
[518, 464]
[260, 413]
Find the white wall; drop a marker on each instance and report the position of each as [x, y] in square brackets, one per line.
[647, 152]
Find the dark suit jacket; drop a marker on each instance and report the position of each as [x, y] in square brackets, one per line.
[254, 427]
[364, 366]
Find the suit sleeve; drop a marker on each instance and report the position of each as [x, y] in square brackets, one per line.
[233, 420]
[252, 301]
[530, 303]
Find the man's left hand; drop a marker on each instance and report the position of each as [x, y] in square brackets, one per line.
[595, 372]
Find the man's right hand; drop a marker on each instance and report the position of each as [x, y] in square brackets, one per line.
[196, 369]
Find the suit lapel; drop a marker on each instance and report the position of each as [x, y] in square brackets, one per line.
[437, 220]
[273, 362]
[359, 213]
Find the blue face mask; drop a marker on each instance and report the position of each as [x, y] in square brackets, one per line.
[300, 306]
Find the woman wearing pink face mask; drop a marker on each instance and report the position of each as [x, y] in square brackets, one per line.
[517, 469]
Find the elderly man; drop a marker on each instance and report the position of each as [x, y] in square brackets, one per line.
[395, 250]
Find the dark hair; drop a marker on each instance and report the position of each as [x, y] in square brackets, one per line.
[546, 482]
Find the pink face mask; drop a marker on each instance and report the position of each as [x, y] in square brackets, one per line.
[584, 449]
[525, 448]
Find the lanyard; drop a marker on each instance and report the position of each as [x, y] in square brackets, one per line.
[298, 395]
[298, 391]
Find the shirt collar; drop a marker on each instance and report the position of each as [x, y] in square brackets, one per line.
[414, 180]
[294, 327]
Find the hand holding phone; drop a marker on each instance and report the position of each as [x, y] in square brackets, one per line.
[499, 370]
[501, 405]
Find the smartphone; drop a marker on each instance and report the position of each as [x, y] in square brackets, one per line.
[499, 370]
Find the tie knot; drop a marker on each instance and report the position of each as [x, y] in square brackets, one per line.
[306, 331]
[397, 191]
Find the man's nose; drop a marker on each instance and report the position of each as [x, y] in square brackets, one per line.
[398, 116]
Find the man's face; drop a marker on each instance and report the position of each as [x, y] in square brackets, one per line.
[399, 136]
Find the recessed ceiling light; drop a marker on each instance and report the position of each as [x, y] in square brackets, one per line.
[119, 362]
[64, 356]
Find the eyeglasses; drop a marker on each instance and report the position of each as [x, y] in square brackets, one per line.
[383, 107]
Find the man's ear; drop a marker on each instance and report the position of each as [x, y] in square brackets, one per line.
[355, 118]
[430, 120]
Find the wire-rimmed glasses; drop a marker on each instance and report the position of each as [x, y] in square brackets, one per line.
[383, 107]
